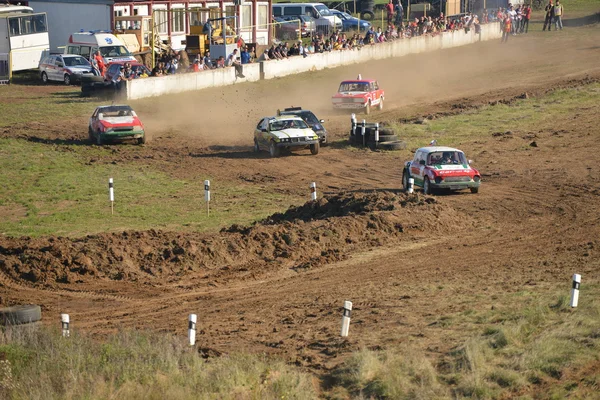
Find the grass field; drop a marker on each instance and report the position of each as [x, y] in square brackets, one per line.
[61, 192]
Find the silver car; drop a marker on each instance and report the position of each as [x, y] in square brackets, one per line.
[67, 68]
[308, 25]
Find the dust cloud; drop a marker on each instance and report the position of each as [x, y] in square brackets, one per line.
[228, 115]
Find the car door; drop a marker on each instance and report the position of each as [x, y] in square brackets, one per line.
[417, 168]
[94, 120]
[59, 68]
[260, 134]
[378, 90]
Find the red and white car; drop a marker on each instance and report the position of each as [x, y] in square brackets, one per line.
[439, 167]
[115, 123]
[359, 94]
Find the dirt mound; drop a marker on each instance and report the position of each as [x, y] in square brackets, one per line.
[308, 236]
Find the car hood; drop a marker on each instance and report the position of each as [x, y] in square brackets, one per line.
[80, 68]
[120, 121]
[317, 127]
[350, 94]
[453, 169]
[292, 133]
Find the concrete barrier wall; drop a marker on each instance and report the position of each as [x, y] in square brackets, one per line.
[141, 88]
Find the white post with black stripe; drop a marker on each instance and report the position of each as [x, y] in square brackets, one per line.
[192, 329]
[65, 321]
[313, 191]
[346, 318]
[353, 121]
[575, 290]
[411, 185]
[363, 131]
[111, 195]
[207, 196]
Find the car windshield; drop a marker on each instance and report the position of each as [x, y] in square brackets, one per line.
[76, 62]
[344, 15]
[446, 158]
[323, 10]
[114, 51]
[354, 87]
[111, 112]
[279, 125]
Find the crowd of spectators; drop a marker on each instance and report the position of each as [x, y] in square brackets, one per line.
[178, 62]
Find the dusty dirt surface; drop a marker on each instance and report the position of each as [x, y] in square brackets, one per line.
[405, 261]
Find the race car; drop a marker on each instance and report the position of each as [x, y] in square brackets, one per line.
[284, 132]
[439, 167]
[310, 118]
[115, 123]
[358, 94]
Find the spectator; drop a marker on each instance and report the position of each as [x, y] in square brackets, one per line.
[117, 79]
[558, 12]
[208, 30]
[207, 61]
[245, 55]
[99, 63]
[389, 7]
[506, 24]
[399, 13]
[301, 50]
[221, 62]
[234, 61]
[526, 19]
[549, 16]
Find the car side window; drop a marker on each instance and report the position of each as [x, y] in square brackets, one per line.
[58, 62]
[375, 86]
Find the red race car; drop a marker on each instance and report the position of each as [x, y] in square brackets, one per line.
[115, 123]
[357, 94]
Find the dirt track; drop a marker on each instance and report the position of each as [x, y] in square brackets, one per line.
[405, 262]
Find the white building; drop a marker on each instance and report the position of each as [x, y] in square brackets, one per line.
[68, 16]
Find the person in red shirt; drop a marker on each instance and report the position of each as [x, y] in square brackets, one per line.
[99, 60]
[390, 12]
[526, 18]
[506, 25]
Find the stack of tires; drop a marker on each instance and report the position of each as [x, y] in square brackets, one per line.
[24, 315]
[388, 140]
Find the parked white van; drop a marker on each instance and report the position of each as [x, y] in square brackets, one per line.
[87, 43]
[323, 16]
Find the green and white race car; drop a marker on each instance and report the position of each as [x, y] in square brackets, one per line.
[286, 131]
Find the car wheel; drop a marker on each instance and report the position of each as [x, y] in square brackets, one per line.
[380, 105]
[99, 140]
[367, 15]
[314, 149]
[142, 140]
[256, 146]
[67, 80]
[405, 177]
[44, 77]
[474, 190]
[426, 186]
[273, 150]
[368, 108]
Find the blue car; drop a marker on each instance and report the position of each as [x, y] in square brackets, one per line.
[350, 23]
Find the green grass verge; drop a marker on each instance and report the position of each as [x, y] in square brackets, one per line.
[532, 346]
[527, 115]
[54, 190]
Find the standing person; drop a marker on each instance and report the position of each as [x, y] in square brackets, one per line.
[506, 24]
[399, 14]
[389, 7]
[549, 16]
[99, 60]
[527, 17]
[208, 29]
[558, 12]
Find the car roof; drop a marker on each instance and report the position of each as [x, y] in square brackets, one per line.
[431, 149]
[125, 61]
[68, 55]
[115, 107]
[285, 118]
[359, 81]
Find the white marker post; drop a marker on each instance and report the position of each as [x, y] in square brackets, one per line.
[313, 191]
[364, 125]
[353, 121]
[376, 134]
[64, 319]
[411, 185]
[192, 329]
[346, 318]
[207, 196]
[111, 195]
[575, 290]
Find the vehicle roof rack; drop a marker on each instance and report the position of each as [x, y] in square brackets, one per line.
[292, 108]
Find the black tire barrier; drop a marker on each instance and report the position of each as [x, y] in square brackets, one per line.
[367, 15]
[397, 145]
[23, 314]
